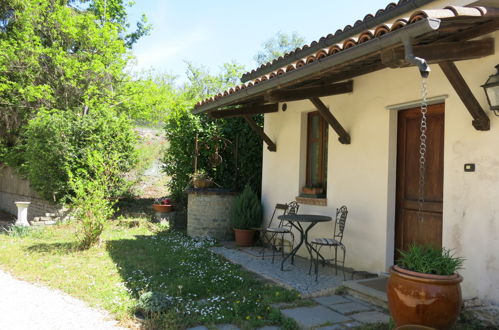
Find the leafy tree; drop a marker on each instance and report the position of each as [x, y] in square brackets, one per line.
[56, 55]
[62, 85]
[148, 97]
[201, 84]
[278, 45]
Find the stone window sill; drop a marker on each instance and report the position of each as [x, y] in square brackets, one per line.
[311, 201]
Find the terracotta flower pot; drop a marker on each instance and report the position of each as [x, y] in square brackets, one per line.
[424, 299]
[162, 208]
[245, 237]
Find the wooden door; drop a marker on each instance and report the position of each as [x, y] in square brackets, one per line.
[408, 227]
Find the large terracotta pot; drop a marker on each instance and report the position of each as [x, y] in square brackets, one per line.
[245, 237]
[424, 299]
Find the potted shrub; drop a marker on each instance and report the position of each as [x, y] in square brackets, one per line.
[424, 288]
[163, 205]
[200, 179]
[246, 217]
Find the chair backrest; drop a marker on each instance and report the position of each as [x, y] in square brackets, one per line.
[278, 207]
[290, 208]
[339, 224]
[293, 207]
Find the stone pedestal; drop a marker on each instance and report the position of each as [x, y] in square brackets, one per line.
[208, 213]
[22, 213]
[165, 217]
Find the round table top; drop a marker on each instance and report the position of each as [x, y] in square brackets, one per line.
[304, 218]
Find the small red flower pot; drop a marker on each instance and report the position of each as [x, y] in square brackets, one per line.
[162, 208]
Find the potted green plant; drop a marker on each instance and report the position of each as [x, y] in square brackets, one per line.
[424, 288]
[246, 217]
[200, 179]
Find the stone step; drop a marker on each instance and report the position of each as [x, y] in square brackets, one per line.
[42, 223]
[57, 214]
[36, 219]
[371, 290]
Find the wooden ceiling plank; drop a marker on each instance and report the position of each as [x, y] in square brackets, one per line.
[245, 110]
[442, 51]
[296, 94]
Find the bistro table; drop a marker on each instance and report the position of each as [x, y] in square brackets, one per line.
[296, 221]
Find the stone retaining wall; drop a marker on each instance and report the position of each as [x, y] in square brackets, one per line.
[208, 213]
[13, 188]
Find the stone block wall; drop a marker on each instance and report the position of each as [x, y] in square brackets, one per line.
[13, 188]
[208, 213]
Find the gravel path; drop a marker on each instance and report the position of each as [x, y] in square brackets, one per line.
[27, 306]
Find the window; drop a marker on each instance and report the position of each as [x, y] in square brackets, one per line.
[317, 136]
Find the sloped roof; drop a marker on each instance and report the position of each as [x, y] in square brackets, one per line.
[369, 21]
[421, 22]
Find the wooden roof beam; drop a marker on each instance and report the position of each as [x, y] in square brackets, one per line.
[271, 146]
[481, 121]
[442, 51]
[296, 94]
[344, 137]
[245, 110]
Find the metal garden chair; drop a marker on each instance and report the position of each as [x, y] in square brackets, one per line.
[276, 230]
[334, 242]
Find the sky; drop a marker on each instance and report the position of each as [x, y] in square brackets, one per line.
[210, 33]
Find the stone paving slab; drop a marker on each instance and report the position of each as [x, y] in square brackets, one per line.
[293, 277]
[350, 308]
[331, 300]
[332, 327]
[371, 317]
[350, 325]
[308, 317]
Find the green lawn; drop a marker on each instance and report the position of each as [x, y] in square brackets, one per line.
[172, 273]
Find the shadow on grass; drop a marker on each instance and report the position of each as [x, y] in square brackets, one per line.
[140, 261]
[53, 248]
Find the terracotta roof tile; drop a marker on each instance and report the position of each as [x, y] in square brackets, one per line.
[365, 36]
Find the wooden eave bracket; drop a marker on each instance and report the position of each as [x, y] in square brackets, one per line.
[343, 135]
[271, 146]
[481, 121]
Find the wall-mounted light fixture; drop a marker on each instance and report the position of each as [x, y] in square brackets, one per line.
[491, 88]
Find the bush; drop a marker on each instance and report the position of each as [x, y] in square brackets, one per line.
[428, 260]
[247, 210]
[91, 202]
[57, 143]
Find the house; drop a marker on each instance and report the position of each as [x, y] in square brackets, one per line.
[343, 114]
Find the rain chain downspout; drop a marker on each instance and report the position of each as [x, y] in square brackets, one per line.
[424, 70]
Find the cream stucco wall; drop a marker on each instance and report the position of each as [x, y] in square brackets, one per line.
[362, 175]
